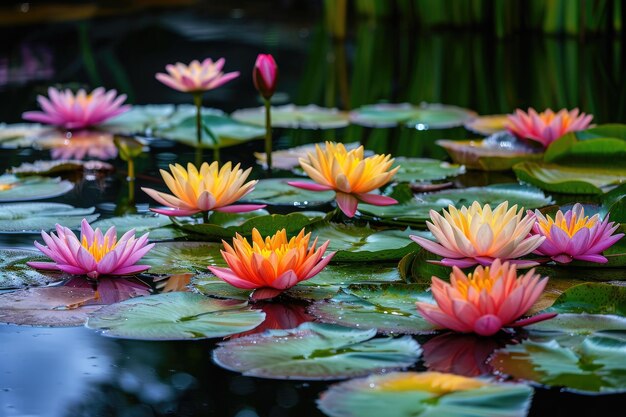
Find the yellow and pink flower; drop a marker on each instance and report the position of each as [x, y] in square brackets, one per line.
[95, 254]
[547, 126]
[479, 235]
[272, 264]
[197, 76]
[352, 176]
[77, 111]
[574, 236]
[485, 301]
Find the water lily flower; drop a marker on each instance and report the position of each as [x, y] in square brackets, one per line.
[479, 235]
[77, 111]
[272, 264]
[264, 75]
[547, 126]
[349, 174]
[94, 254]
[209, 189]
[485, 301]
[573, 235]
[196, 77]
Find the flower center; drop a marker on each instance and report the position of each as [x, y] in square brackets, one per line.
[99, 249]
[479, 280]
[575, 224]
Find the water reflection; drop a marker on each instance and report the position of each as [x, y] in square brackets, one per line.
[79, 145]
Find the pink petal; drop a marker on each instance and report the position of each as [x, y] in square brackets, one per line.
[228, 276]
[265, 293]
[532, 319]
[48, 266]
[347, 203]
[174, 212]
[376, 199]
[240, 208]
[286, 280]
[311, 186]
[487, 325]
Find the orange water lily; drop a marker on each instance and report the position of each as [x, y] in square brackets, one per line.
[207, 189]
[271, 264]
[485, 301]
[352, 176]
[547, 126]
[478, 235]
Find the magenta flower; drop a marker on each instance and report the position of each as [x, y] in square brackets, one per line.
[196, 77]
[94, 254]
[264, 75]
[573, 236]
[77, 111]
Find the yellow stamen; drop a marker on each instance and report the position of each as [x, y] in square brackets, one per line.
[99, 249]
[435, 382]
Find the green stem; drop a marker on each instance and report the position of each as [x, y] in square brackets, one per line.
[131, 170]
[205, 217]
[197, 100]
[268, 135]
[131, 192]
[216, 154]
[131, 181]
[199, 155]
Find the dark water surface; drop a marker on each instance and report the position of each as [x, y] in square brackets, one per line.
[74, 371]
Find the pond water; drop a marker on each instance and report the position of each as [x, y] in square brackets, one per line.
[76, 372]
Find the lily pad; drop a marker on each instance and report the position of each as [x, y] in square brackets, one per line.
[14, 273]
[51, 306]
[277, 192]
[361, 243]
[487, 125]
[141, 119]
[159, 227]
[570, 179]
[295, 117]
[266, 225]
[13, 188]
[417, 210]
[56, 167]
[424, 169]
[580, 324]
[592, 298]
[409, 394]
[35, 217]
[485, 156]
[423, 117]
[21, 134]
[601, 145]
[168, 258]
[315, 352]
[390, 308]
[175, 316]
[592, 365]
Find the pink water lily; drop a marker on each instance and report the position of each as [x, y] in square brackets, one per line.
[547, 126]
[572, 235]
[77, 111]
[95, 254]
[197, 76]
[265, 74]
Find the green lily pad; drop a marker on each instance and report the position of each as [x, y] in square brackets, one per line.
[614, 204]
[600, 145]
[591, 365]
[56, 167]
[315, 351]
[417, 210]
[422, 117]
[141, 119]
[581, 324]
[277, 192]
[159, 227]
[387, 395]
[424, 169]
[13, 188]
[35, 217]
[227, 131]
[266, 225]
[390, 308]
[295, 117]
[592, 298]
[361, 243]
[175, 316]
[570, 179]
[20, 135]
[14, 273]
[475, 154]
[167, 258]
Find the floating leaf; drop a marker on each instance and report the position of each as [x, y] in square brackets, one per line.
[141, 119]
[418, 209]
[21, 134]
[159, 227]
[277, 192]
[590, 365]
[390, 308]
[35, 217]
[175, 316]
[600, 145]
[423, 169]
[52, 306]
[13, 188]
[266, 225]
[181, 257]
[296, 117]
[56, 167]
[476, 154]
[570, 179]
[487, 125]
[358, 243]
[581, 324]
[315, 351]
[14, 273]
[592, 298]
[422, 117]
[409, 394]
